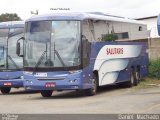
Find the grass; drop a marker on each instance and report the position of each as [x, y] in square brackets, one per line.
[148, 83]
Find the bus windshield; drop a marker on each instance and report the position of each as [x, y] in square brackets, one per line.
[3, 47]
[2, 57]
[8, 56]
[52, 44]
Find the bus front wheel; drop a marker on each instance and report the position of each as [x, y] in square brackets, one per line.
[92, 91]
[5, 90]
[46, 93]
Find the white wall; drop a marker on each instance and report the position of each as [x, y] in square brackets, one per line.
[152, 26]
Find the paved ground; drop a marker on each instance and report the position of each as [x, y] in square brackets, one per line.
[109, 100]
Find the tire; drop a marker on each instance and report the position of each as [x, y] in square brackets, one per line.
[5, 90]
[46, 93]
[137, 78]
[131, 82]
[92, 91]
[138, 75]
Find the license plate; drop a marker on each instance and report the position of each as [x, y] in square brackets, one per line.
[7, 84]
[50, 85]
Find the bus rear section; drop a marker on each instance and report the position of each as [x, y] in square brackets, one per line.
[66, 52]
[120, 62]
[11, 65]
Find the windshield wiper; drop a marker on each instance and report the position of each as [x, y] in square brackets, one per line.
[13, 62]
[48, 62]
[39, 60]
[59, 57]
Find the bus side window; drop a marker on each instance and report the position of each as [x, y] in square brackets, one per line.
[86, 31]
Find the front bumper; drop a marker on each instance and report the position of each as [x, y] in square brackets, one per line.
[63, 80]
[59, 85]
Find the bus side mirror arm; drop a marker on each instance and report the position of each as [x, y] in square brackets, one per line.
[18, 47]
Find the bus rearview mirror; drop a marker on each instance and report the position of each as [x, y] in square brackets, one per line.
[18, 47]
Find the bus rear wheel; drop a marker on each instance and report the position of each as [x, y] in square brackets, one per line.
[137, 78]
[131, 82]
[92, 91]
[5, 90]
[46, 93]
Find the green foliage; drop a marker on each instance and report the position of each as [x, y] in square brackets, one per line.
[109, 37]
[9, 17]
[154, 69]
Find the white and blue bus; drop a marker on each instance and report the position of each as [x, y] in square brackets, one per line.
[11, 65]
[67, 52]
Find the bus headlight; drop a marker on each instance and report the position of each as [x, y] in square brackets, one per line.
[21, 77]
[29, 81]
[73, 81]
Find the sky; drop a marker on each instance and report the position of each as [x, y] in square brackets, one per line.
[126, 8]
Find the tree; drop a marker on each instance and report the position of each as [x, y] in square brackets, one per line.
[9, 17]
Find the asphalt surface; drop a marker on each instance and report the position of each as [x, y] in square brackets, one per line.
[109, 100]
